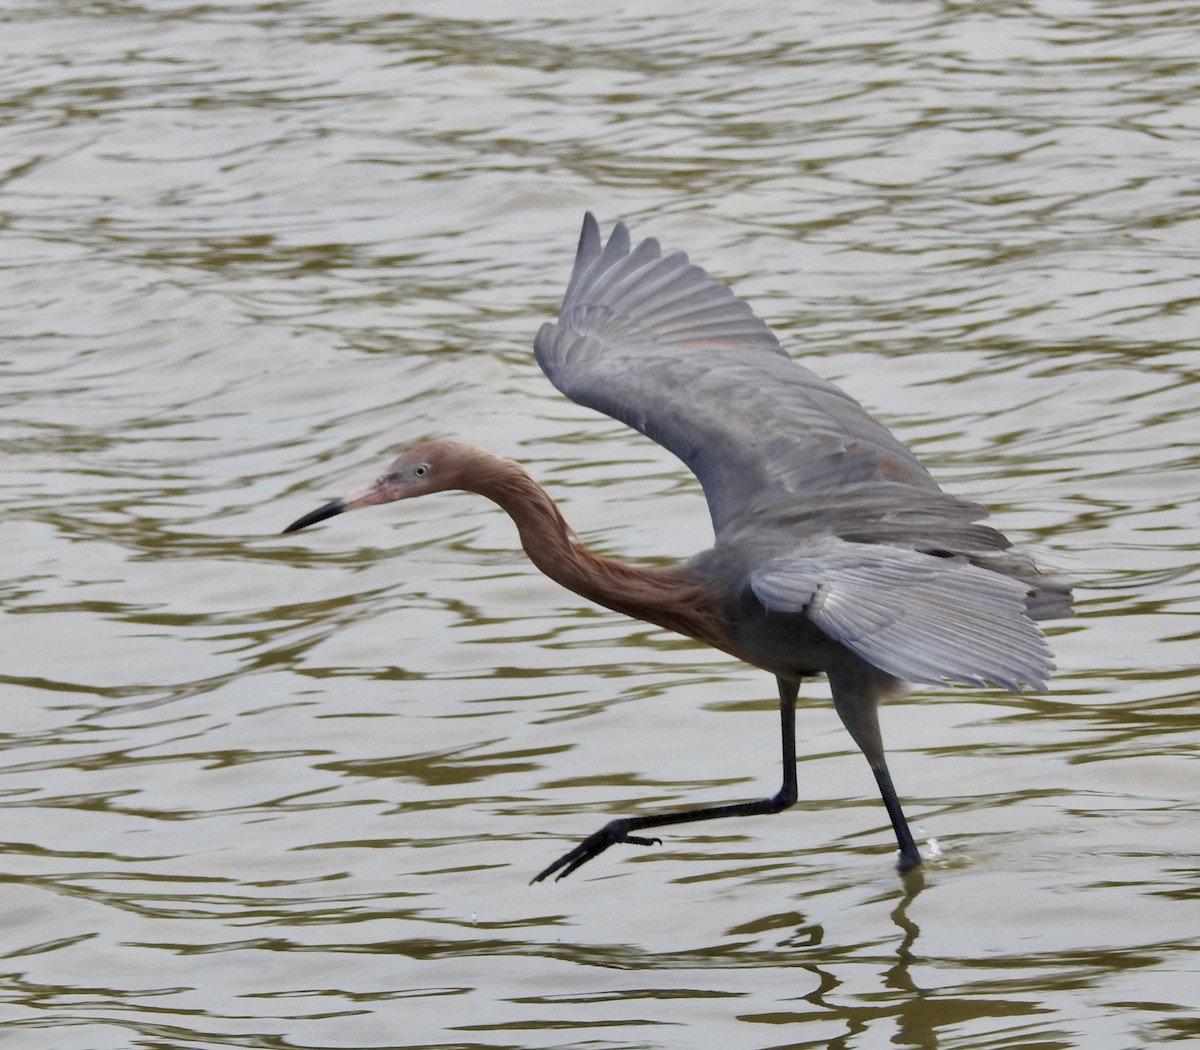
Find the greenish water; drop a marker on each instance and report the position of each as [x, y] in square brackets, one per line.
[265, 791]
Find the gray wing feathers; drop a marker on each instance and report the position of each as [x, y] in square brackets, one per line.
[919, 618]
[813, 501]
[619, 296]
[655, 342]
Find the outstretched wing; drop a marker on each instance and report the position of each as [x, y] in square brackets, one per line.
[660, 345]
[919, 618]
[817, 507]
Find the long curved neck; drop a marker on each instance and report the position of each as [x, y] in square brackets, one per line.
[669, 597]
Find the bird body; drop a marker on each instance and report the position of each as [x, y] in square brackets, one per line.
[834, 550]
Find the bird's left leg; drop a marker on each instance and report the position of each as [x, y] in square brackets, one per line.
[623, 828]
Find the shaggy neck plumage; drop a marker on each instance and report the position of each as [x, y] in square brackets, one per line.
[669, 597]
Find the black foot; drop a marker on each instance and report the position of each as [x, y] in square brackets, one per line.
[612, 832]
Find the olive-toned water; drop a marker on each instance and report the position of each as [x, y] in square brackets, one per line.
[287, 792]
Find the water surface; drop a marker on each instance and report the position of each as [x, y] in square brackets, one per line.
[266, 791]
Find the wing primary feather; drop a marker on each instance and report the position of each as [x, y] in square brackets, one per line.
[638, 286]
[616, 249]
[605, 286]
[591, 258]
[694, 304]
[585, 255]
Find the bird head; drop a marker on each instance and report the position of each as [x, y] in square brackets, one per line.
[430, 467]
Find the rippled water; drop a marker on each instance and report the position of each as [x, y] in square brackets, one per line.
[266, 791]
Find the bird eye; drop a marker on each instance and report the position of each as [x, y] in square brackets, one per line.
[420, 470]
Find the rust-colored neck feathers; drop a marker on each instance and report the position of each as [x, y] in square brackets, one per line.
[670, 597]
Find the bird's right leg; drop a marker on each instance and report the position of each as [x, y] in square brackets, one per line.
[623, 828]
[910, 856]
[857, 690]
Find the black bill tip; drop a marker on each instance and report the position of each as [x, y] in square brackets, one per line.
[332, 508]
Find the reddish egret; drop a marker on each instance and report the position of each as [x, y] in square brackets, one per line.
[835, 551]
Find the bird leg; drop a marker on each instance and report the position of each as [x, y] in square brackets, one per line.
[857, 689]
[910, 856]
[621, 829]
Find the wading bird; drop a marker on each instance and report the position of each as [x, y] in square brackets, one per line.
[835, 551]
